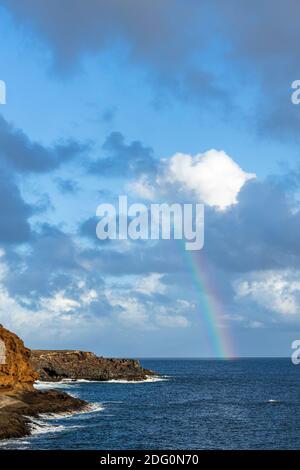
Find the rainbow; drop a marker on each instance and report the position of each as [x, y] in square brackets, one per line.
[218, 337]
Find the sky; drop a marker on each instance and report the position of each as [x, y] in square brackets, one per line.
[161, 101]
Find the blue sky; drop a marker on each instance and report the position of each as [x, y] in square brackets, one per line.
[101, 97]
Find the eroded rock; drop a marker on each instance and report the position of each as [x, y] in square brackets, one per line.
[71, 364]
[16, 371]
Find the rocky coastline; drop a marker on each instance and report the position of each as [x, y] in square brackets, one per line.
[53, 366]
[20, 368]
[19, 400]
[16, 409]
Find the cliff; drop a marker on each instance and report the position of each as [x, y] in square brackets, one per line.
[16, 371]
[18, 398]
[59, 365]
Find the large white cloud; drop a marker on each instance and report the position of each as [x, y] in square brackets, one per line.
[213, 177]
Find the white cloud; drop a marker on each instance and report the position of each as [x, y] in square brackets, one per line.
[65, 315]
[172, 321]
[88, 297]
[213, 177]
[59, 303]
[277, 291]
[143, 188]
[133, 313]
[151, 284]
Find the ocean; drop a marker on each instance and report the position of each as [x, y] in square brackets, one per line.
[196, 404]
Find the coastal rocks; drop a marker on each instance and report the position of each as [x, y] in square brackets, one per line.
[59, 365]
[18, 399]
[16, 371]
[17, 408]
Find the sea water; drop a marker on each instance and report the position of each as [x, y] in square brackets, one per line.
[195, 404]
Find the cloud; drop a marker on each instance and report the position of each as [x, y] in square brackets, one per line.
[143, 187]
[59, 303]
[48, 247]
[14, 211]
[276, 291]
[256, 41]
[146, 313]
[87, 228]
[23, 155]
[172, 321]
[20, 156]
[212, 177]
[151, 284]
[163, 37]
[123, 159]
[258, 233]
[67, 186]
[85, 307]
[82, 28]
[262, 37]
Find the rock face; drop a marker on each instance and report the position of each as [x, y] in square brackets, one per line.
[18, 398]
[16, 371]
[16, 408]
[58, 365]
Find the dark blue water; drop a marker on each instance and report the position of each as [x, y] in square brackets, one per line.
[203, 404]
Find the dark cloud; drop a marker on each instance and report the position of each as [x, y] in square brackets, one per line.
[51, 262]
[123, 159]
[19, 155]
[23, 155]
[151, 29]
[14, 212]
[264, 37]
[169, 37]
[54, 261]
[260, 232]
[165, 36]
[87, 228]
[67, 186]
[142, 258]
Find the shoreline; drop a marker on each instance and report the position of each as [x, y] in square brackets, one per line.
[21, 399]
[17, 409]
[64, 383]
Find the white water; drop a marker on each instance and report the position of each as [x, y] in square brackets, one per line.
[67, 383]
[147, 380]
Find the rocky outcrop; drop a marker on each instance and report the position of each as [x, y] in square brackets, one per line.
[16, 409]
[16, 371]
[59, 365]
[18, 398]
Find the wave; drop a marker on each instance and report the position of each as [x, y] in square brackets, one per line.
[67, 383]
[20, 443]
[41, 424]
[89, 408]
[39, 385]
[150, 378]
[40, 427]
